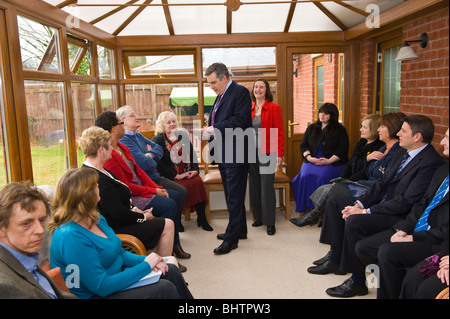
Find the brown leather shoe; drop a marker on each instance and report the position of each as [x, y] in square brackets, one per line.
[180, 253]
[182, 268]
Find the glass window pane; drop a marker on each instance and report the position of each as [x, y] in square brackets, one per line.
[79, 55]
[108, 99]
[83, 100]
[320, 94]
[39, 46]
[311, 90]
[149, 100]
[243, 61]
[248, 18]
[161, 65]
[45, 110]
[391, 81]
[4, 156]
[105, 62]
[199, 19]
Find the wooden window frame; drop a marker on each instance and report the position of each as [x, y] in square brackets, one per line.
[383, 42]
[126, 65]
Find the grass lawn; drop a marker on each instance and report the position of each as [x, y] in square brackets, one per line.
[49, 163]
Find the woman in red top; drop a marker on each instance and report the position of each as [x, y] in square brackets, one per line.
[268, 125]
[145, 193]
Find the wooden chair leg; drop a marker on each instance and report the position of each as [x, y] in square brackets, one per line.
[187, 214]
[287, 205]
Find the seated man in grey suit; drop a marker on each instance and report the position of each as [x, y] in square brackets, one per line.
[23, 215]
[348, 220]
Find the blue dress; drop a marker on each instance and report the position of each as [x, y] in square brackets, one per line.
[310, 178]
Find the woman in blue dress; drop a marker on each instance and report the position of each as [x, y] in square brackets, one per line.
[325, 152]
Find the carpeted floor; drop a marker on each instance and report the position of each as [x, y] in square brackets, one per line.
[272, 267]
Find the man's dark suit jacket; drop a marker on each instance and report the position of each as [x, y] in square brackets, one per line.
[438, 218]
[233, 112]
[17, 283]
[405, 189]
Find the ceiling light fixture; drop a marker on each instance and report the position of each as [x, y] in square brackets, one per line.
[407, 53]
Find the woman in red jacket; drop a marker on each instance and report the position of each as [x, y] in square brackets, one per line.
[269, 130]
[145, 193]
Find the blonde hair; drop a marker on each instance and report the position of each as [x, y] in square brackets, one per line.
[75, 197]
[91, 139]
[159, 124]
[374, 124]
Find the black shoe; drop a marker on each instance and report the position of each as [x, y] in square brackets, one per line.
[222, 236]
[327, 268]
[204, 225]
[309, 219]
[257, 223]
[271, 230]
[348, 289]
[322, 260]
[225, 248]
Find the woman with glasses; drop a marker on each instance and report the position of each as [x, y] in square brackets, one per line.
[145, 193]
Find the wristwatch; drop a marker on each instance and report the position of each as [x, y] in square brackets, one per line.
[364, 211]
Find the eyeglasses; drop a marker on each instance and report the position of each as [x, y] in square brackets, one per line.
[131, 115]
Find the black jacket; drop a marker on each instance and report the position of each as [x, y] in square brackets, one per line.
[355, 168]
[337, 144]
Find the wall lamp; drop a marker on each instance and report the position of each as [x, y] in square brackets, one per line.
[407, 53]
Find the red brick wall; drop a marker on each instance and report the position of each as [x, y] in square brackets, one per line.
[424, 81]
[424, 84]
[367, 49]
[304, 87]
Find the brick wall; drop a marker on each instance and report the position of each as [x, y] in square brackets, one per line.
[304, 87]
[424, 84]
[424, 81]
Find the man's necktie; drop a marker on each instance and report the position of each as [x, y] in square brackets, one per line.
[213, 113]
[402, 164]
[422, 223]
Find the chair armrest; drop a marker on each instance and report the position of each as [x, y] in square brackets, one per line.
[132, 244]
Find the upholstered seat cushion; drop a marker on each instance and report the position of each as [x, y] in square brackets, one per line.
[56, 276]
[281, 177]
[213, 177]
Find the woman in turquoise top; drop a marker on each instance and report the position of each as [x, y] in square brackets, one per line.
[89, 253]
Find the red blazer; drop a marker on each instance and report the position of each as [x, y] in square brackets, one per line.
[271, 117]
[122, 171]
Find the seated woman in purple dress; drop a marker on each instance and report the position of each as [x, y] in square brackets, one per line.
[325, 152]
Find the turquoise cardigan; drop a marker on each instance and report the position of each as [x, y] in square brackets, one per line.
[99, 260]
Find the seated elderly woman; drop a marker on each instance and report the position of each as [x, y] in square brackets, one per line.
[184, 171]
[325, 152]
[154, 232]
[83, 239]
[145, 193]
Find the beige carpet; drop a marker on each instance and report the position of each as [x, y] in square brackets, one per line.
[272, 267]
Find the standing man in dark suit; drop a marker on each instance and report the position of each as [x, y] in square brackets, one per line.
[229, 118]
[387, 202]
[411, 240]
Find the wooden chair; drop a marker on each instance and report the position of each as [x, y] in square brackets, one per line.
[283, 182]
[213, 183]
[132, 244]
[443, 294]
